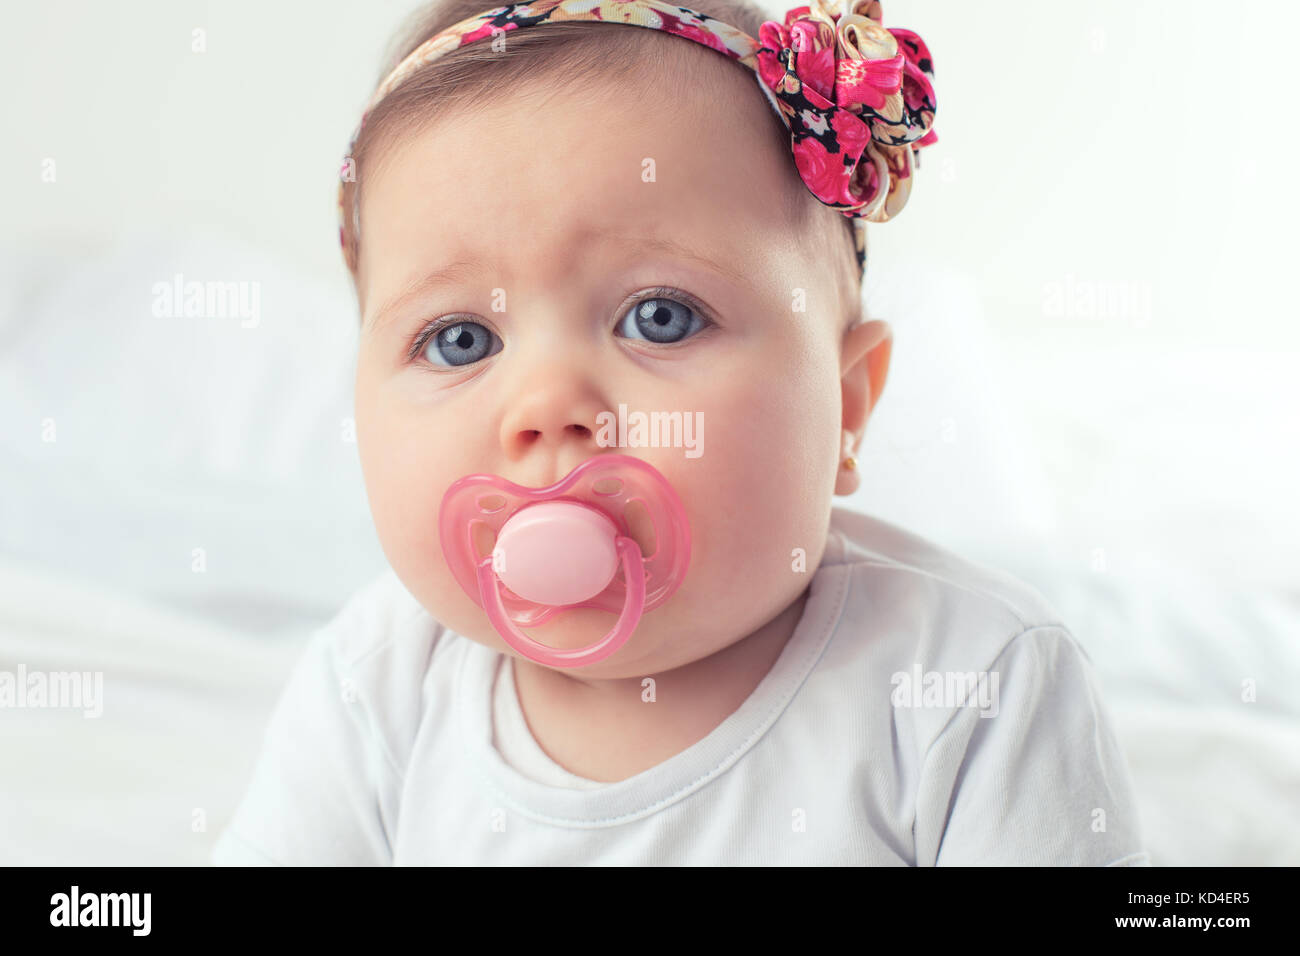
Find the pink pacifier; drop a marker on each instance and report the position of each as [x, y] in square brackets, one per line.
[524, 554]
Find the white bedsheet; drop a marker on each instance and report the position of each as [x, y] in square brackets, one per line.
[183, 706]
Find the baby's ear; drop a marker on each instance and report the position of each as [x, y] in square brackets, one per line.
[878, 362]
[864, 366]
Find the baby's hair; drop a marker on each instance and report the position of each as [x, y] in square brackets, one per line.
[567, 54]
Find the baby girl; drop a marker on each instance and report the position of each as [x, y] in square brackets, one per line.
[594, 652]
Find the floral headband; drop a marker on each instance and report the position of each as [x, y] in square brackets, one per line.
[857, 98]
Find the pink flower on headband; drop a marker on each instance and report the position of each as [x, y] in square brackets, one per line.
[858, 98]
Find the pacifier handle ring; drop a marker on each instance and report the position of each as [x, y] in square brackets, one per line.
[633, 574]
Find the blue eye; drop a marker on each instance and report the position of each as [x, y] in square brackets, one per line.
[661, 320]
[457, 343]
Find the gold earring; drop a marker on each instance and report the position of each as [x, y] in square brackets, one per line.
[850, 463]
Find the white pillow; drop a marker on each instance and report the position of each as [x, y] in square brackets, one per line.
[202, 460]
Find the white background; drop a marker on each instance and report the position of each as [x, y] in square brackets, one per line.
[1094, 380]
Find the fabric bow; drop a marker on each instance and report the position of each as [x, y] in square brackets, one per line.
[859, 101]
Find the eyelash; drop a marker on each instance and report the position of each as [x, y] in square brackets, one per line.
[658, 292]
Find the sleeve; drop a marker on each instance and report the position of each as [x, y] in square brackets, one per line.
[315, 794]
[1038, 778]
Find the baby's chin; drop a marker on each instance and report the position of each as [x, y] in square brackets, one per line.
[577, 628]
[672, 634]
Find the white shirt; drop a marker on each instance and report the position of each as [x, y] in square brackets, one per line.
[388, 745]
[515, 742]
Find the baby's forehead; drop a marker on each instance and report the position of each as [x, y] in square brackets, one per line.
[609, 161]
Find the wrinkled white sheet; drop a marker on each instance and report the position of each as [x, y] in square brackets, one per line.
[152, 780]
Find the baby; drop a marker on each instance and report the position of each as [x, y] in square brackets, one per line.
[551, 221]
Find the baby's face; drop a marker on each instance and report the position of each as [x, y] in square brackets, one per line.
[547, 218]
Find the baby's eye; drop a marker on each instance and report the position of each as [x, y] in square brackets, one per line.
[661, 320]
[459, 343]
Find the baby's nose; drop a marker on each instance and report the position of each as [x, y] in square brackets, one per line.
[560, 414]
[572, 431]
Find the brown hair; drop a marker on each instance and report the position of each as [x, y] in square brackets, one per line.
[557, 52]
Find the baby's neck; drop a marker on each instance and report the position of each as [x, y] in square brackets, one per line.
[605, 730]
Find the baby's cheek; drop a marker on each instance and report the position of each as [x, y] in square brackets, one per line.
[759, 499]
[409, 530]
[406, 470]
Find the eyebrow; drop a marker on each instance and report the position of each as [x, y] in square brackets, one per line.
[444, 276]
[456, 271]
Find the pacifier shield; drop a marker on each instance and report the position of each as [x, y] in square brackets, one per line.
[530, 553]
